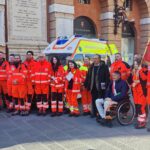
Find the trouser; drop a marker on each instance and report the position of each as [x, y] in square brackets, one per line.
[10, 99]
[86, 100]
[67, 103]
[19, 95]
[30, 94]
[103, 106]
[42, 102]
[73, 102]
[57, 102]
[3, 94]
[95, 95]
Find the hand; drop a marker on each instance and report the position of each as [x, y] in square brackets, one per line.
[134, 84]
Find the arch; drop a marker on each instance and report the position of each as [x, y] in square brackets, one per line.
[85, 26]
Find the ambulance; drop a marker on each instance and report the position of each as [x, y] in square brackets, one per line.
[79, 47]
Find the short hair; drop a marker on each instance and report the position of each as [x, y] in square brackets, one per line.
[17, 55]
[12, 55]
[118, 54]
[99, 56]
[117, 72]
[31, 52]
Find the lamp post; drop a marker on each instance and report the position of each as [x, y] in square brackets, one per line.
[120, 15]
[6, 32]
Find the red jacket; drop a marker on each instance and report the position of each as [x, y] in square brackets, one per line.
[19, 75]
[77, 80]
[58, 82]
[122, 68]
[148, 86]
[3, 73]
[30, 65]
[41, 73]
[10, 68]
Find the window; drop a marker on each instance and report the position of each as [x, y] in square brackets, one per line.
[128, 4]
[84, 1]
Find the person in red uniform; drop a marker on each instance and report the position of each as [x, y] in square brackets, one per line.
[41, 81]
[3, 81]
[29, 62]
[139, 77]
[86, 95]
[120, 66]
[10, 69]
[148, 97]
[57, 87]
[19, 88]
[73, 85]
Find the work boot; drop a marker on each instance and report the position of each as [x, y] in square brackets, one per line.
[39, 112]
[140, 125]
[9, 110]
[15, 113]
[109, 123]
[59, 114]
[53, 114]
[85, 113]
[44, 113]
[22, 113]
[76, 115]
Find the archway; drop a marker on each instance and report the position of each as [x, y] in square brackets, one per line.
[84, 26]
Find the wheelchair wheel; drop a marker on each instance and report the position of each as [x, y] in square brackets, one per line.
[125, 113]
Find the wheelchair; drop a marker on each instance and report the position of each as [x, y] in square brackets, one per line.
[124, 112]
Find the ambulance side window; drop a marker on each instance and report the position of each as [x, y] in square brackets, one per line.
[78, 58]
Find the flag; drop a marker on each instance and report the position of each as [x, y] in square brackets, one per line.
[146, 56]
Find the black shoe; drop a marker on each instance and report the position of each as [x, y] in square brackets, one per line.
[76, 115]
[9, 111]
[15, 113]
[85, 113]
[71, 115]
[39, 113]
[22, 113]
[59, 114]
[44, 113]
[66, 111]
[53, 114]
[140, 126]
[109, 123]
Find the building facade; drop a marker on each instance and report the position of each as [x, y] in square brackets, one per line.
[91, 18]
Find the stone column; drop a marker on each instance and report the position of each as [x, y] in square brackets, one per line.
[107, 23]
[2, 25]
[27, 25]
[61, 16]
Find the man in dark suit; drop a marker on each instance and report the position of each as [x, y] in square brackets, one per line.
[97, 81]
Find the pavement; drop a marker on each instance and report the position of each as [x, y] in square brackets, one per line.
[67, 133]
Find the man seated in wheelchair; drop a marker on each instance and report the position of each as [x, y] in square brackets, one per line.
[116, 92]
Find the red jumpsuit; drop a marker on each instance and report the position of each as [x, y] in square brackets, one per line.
[57, 89]
[73, 89]
[122, 68]
[41, 80]
[148, 86]
[3, 83]
[10, 69]
[19, 86]
[86, 95]
[30, 91]
[138, 95]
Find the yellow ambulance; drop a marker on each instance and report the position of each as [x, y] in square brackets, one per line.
[79, 47]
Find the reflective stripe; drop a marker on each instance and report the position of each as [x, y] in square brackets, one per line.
[2, 70]
[32, 75]
[3, 76]
[75, 91]
[53, 106]
[41, 81]
[84, 68]
[60, 85]
[41, 73]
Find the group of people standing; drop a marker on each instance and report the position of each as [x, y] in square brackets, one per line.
[57, 88]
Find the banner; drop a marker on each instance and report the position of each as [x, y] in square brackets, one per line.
[146, 56]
